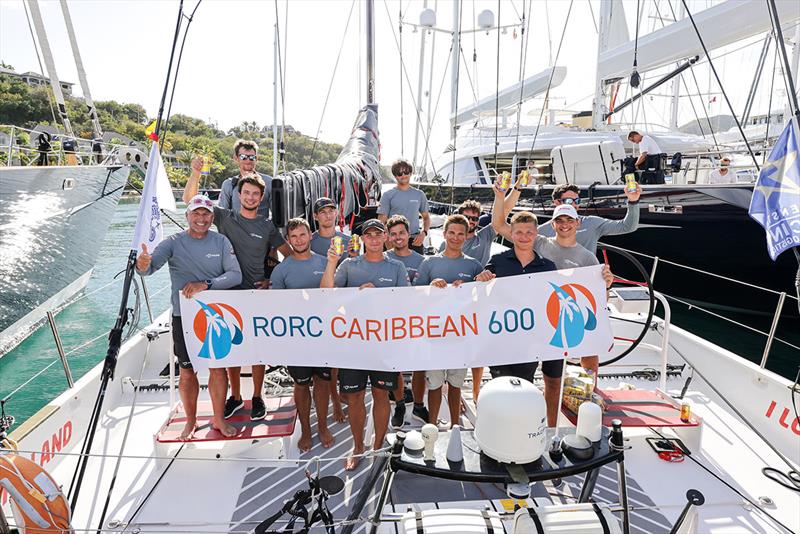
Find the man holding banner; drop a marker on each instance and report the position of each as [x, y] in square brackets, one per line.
[304, 270]
[199, 259]
[451, 266]
[370, 270]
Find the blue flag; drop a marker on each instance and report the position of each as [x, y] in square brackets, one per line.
[775, 204]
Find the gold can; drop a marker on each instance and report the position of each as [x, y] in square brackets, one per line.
[505, 181]
[355, 243]
[338, 245]
[686, 412]
[524, 178]
[206, 169]
[630, 182]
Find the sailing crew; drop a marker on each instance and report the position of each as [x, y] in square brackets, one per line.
[370, 270]
[521, 259]
[245, 154]
[304, 270]
[325, 212]
[454, 267]
[592, 228]
[253, 236]
[563, 249]
[199, 259]
[723, 175]
[397, 227]
[649, 160]
[407, 201]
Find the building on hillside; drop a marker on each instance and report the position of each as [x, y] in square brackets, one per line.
[34, 79]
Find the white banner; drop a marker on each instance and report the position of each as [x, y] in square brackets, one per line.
[542, 316]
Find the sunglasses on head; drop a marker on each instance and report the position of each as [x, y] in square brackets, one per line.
[202, 202]
[245, 157]
[569, 201]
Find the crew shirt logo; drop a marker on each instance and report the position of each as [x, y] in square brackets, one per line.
[572, 311]
[212, 255]
[219, 327]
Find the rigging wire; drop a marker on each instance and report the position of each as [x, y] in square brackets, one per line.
[402, 118]
[50, 96]
[496, 91]
[594, 20]
[282, 85]
[769, 104]
[550, 80]
[635, 78]
[310, 157]
[721, 87]
[455, 107]
[523, 61]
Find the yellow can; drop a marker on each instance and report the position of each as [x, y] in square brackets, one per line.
[206, 169]
[505, 181]
[338, 245]
[524, 178]
[686, 412]
[355, 243]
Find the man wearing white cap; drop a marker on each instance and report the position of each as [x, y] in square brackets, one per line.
[199, 259]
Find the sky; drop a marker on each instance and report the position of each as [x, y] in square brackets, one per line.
[226, 74]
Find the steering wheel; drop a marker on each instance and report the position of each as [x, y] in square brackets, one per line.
[646, 283]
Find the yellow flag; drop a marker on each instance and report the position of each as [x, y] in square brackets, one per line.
[150, 130]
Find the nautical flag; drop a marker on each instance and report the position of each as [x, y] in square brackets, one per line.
[775, 204]
[150, 131]
[156, 195]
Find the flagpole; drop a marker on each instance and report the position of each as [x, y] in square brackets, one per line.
[788, 77]
[115, 335]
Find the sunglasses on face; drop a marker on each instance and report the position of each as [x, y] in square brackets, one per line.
[570, 201]
[404, 173]
[472, 218]
[246, 157]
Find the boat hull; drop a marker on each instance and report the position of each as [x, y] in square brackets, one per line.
[53, 222]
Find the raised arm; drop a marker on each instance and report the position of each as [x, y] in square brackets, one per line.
[330, 269]
[193, 183]
[631, 220]
[499, 213]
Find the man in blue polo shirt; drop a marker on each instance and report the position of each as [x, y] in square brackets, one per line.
[521, 259]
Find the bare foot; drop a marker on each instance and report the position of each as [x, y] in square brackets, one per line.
[225, 429]
[352, 461]
[338, 413]
[188, 431]
[304, 443]
[325, 437]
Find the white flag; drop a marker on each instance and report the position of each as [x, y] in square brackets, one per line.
[156, 194]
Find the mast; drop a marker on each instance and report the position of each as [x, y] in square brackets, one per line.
[419, 89]
[598, 105]
[370, 27]
[676, 83]
[87, 96]
[41, 34]
[454, 62]
[275, 60]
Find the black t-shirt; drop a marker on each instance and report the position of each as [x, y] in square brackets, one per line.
[507, 264]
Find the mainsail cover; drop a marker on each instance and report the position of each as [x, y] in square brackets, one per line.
[351, 181]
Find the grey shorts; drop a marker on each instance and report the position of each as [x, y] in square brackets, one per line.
[454, 377]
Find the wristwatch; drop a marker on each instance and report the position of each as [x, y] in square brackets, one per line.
[208, 284]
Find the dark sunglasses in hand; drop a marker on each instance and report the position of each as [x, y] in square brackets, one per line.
[245, 157]
[575, 201]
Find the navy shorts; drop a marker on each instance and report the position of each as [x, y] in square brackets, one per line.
[550, 369]
[302, 375]
[179, 344]
[355, 380]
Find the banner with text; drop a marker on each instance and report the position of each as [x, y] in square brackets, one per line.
[542, 316]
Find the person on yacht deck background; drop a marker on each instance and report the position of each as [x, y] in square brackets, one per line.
[407, 201]
[199, 259]
[722, 175]
[649, 160]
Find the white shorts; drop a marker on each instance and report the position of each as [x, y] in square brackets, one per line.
[454, 377]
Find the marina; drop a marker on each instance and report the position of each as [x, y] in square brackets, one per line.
[252, 363]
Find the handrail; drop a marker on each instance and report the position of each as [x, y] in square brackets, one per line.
[84, 147]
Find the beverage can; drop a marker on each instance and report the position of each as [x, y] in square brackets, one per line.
[686, 412]
[505, 181]
[630, 182]
[338, 245]
[355, 243]
[524, 178]
[206, 169]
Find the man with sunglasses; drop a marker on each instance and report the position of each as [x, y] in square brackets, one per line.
[479, 240]
[373, 269]
[592, 228]
[252, 237]
[245, 154]
[407, 201]
[199, 259]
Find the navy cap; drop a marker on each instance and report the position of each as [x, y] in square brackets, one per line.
[322, 203]
[373, 223]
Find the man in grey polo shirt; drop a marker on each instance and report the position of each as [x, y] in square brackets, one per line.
[325, 216]
[304, 270]
[198, 260]
[449, 267]
[407, 201]
[245, 154]
[370, 270]
[252, 237]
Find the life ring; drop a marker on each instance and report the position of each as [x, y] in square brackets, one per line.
[37, 502]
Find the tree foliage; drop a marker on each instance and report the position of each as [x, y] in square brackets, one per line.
[185, 137]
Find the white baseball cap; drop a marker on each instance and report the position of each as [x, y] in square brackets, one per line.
[565, 209]
[200, 201]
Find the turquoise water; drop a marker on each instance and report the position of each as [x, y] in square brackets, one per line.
[92, 316]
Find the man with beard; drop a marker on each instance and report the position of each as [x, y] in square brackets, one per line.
[199, 259]
[304, 270]
[252, 237]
